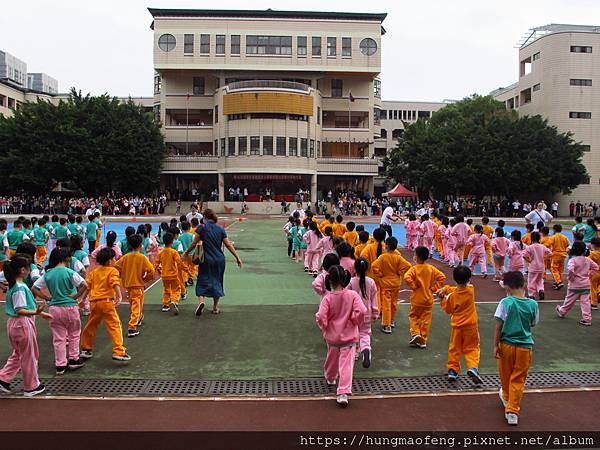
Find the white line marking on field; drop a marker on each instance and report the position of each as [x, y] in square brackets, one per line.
[152, 285]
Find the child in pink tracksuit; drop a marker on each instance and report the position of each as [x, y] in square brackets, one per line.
[21, 310]
[427, 230]
[478, 241]
[312, 255]
[461, 232]
[318, 284]
[516, 263]
[442, 229]
[325, 245]
[412, 227]
[535, 254]
[345, 253]
[500, 246]
[451, 244]
[340, 314]
[580, 270]
[367, 289]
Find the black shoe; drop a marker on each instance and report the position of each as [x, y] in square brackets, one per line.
[5, 387]
[132, 333]
[60, 370]
[38, 390]
[174, 308]
[75, 364]
[541, 295]
[199, 309]
[366, 358]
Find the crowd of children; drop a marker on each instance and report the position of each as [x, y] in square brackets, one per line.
[72, 282]
[358, 277]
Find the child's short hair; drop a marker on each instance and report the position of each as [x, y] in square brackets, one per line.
[513, 280]
[337, 276]
[90, 218]
[535, 236]
[578, 236]
[105, 255]
[500, 232]
[185, 226]
[363, 237]
[168, 238]
[461, 274]
[422, 253]
[501, 223]
[545, 230]
[27, 223]
[344, 250]
[485, 220]
[339, 218]
[129, 231]
[194, 222]
[595, 242]
[478, 228]
[469, 222]
[182, 218]
[425, 217]
[578, 219]
[62, 221]
[359, 228]
[330, 260]
[350, 226]
[27, 248]
[557, 227]
[64, 243]
[578, 249]
[516, 235]
[539, 225]
[529, 227]
[391, 243]
[174, 231]
[134, 241]
[337, 241]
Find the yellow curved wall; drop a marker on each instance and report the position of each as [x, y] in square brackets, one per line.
[268, 102]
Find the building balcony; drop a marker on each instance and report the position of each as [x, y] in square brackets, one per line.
[267, 85]
[340, 165]
[190, 164]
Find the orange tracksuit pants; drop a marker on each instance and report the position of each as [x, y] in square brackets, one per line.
[558, 267]
[171, 291]
[419, 318]
[595, 291]
[513, 366]
[135, 294]
[389, 306]
[103, 311]
[488, 252]
[463, 342]
[41, 253]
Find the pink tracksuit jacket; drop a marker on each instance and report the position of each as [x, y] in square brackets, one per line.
[340, 313]
[500, 246]
[580, 269]
[477, 242]
[515, 256]
[536, 253]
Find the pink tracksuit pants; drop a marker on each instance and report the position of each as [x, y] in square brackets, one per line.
[584, 303]
[478, 258]
[535, 283]
[66, 330]
[364, 332]
[340, 364]
[312, 260]
[22, 336]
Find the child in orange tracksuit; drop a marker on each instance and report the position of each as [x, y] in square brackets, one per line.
[351, 236]
[339, 229]
[389, 269]
[560, 243]
[168, 264]
[135, 269]
[595, 281]
[424, 279]
[546, 241]
[363, 240]
[459, 302]
[104, 288]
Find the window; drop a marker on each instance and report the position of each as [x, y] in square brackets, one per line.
[368, 46]
[346, 46]
[293, 146]
[198, 86]
[580, 82]
[156, 109]
[217, 114]
[267, 145]
[580, 115]
[377, 88]
[216, 152]
[188, 44]
[167, 42]
[255, 145]
[268, 45]
[235, 44]
[222, 146]
[536, 56]
[383, 114]
[376, 116]
[312, 148]
[205, 43]
[383, 133]
[331, 46]
[318, 115]
[157, 83]
[423, 114]
[537, 87]
[220, 50]
[318, 149]
[301, 42]
[242, 145]
[303, 147]
[316, 46]
[581, 49]
[280, 149]
[586, 148]
[298, 117]
[231, 146]
[336, 88]
[236, 117]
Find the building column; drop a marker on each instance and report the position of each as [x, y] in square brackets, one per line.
[313, 189]
[371, 185]
[221, 186]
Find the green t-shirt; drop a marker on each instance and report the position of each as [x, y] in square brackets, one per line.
[82, 257]
[61, 282]
[518, 316]
[178, 246]
[61, 232]
[578, 228]
[39, 236]
[186, 240]
[15, 238]
[53, 226]
[125, 247]
[73, 228]
[91, 229]
[3, 247]
[588, 234]
[19, 297]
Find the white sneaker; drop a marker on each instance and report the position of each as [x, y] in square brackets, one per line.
[331, 382]
[512, 418]
[342, 400]
[38, 390]
[86, 354]
[504, 402]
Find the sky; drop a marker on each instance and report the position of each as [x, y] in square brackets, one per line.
[433, 49]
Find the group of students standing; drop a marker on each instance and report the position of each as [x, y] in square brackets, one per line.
[358, 277]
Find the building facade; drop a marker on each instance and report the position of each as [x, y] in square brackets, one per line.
[13, 69]
[557, 67]
[42, 83]
[268, 100]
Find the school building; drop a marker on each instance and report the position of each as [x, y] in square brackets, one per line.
[556, 67]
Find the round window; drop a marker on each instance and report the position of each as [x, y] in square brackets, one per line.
[368, 46]
[166, 42]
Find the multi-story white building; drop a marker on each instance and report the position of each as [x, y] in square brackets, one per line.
[557, 70]
[41, 82]
[13, 69]
[281, 100]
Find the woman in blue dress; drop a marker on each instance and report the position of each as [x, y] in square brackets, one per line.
[212, 237]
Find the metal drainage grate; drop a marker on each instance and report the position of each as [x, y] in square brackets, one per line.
[300, 387]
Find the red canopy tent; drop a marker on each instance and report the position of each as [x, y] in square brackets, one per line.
[400, 191]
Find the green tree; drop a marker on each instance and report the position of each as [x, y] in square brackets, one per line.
[97, 143]
[477, 147]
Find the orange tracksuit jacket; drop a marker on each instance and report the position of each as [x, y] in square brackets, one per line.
[546, 241]
[339, 229]
[459, 302]
[169, 261]
[389, 270]
[560, 243]
[489, 232]
[351, 237]
[424, 279]
[595, 280]
[135, 270]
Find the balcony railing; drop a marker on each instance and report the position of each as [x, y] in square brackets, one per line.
[275, 85]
